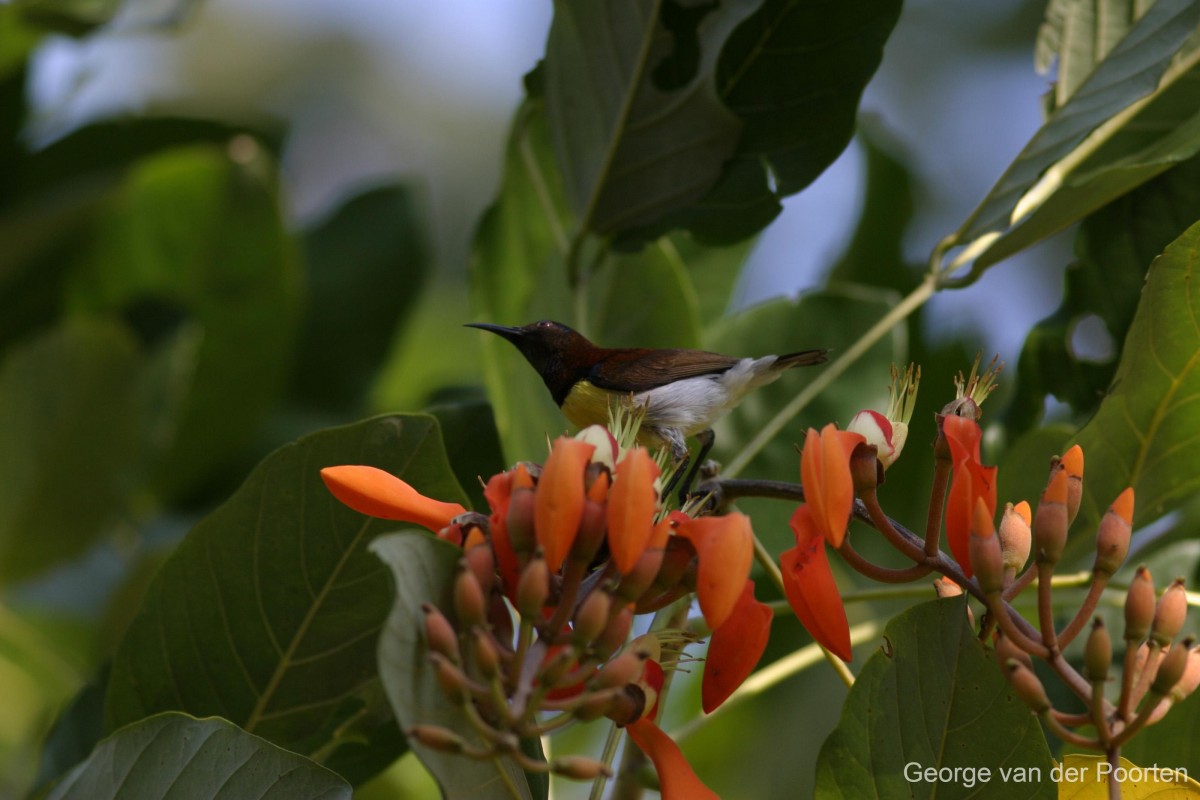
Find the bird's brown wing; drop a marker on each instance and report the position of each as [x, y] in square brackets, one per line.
[638, 370]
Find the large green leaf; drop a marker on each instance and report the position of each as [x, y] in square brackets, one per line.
[1079, 34]
[630, 92]
[177, 755]
[196, 233]
[1131, 71]
[1115, 247]
[1141, 434]
[932, 697]
[82, 413]
[268, 612]
[365, 267]
[424, 570]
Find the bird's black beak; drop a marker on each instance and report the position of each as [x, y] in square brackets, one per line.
[512, 334]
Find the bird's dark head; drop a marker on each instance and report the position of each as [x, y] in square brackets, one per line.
[559, 354]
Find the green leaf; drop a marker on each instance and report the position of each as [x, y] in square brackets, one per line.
[424, 569]
[195, 234]
[267, 614]
[178, 755]
[793, 73]
[1115, 247]
[932, 696]
[78, 729]
[366, 265]
[81, 17]
[79, 407]
[633, 109]
[472, 444]
[1131, 71]
[1080, 33]
[1141, 434]
[1024, 468]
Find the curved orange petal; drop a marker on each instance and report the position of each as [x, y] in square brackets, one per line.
[676, 779]
[971, 480]
[825, 475]
[810, 588]
[377, 493]
[735, 648]
[725, 548]
[560, 494]
[963, 435]
[632, 502]
[497, 493]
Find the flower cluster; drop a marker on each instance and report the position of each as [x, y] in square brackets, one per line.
[576, 547]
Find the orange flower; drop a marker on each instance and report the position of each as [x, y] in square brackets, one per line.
[825, 474]
[560, 495]
[376, 493]
[971, 480]
[735, 648]
[676, 779]
[497, 493]
[810, 588]
[725, 547]
[631, 506]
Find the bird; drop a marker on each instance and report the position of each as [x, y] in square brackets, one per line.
[682, 392]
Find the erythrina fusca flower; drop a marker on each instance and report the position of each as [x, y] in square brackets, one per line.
[971, 481]
[735, 648]
[825, 475]
[888, 432]
[371, 491]
[810, 587]
[725, 549]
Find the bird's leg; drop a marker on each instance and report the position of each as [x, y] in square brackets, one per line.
[706, 439]
[679, 453]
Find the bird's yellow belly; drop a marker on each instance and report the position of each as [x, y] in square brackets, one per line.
[587, 404]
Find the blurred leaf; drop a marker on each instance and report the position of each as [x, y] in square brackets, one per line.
[472, 445]
[1130, 72]
[17, 39]
[195, 234]
[76, 731]
[197, 758]
[1172, 741]
[636, 122]
[365, 268]
[1115, 247]
[1079, 34]
[267, 614]
[793, 73]
[1093, 784]
[423, 570]
[933, 697]
[833, 318]
[714, 271]
[1140, 434]
[81, 17]
[79, 410]
[1025, 465]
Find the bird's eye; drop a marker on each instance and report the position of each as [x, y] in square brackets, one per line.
[545, 324]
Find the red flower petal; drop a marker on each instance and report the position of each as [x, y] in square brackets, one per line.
[497, 493]
[676, 779]
[810, 588]
[376, 493]
[560, 495]
[971, 480]
[725, 547]
[825, 474]
[631, 506]
[735, 648]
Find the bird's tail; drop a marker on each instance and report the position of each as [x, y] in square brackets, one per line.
[804, 358]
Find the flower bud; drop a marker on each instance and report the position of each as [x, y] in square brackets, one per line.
[887, 437]
[605, 443]
[1016, 537]
[436, 737]
[592, 529]
[452, 680]
[481, 560]
[579, 768]
[470, 605]
[1172, 667]
[1050, 523]
[1170, 614]
[533, 588]
[487, 656]
[1028, 687]
[440, 634]
[1072, 462]
[521, 514]
[623, 669]
[1139, 606]
[1191, 677]
[1097, 653]
[1112, 537]
[987, 560]
[615, 633]
[592, 617]
[1007, 650]
[945, 587]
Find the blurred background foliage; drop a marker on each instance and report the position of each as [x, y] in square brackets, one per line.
[225, 226]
